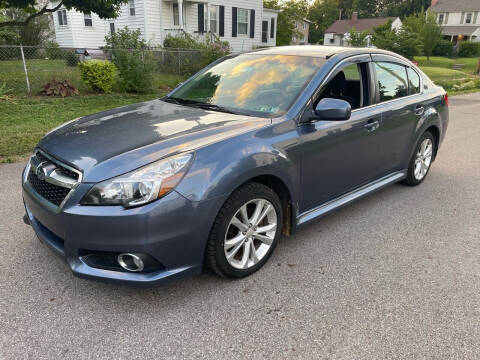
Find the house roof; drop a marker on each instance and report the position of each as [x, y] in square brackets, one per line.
[344, 26]
[456, 5]
[459, 30]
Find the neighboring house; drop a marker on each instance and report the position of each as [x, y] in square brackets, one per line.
[244, 26]
[460, 19]
[302, 27]
[338, 33]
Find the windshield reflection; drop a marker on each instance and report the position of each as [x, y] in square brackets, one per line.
[257, 84]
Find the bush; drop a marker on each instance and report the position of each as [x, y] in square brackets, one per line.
[61, 88]
[443, 48]
[469, 49]
[71, 59]
[209, 51]
[134, 63]
[99, 75]
[53, 51]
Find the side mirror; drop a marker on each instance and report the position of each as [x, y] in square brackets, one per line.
[333, 109]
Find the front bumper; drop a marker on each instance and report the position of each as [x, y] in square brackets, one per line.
[173, 230]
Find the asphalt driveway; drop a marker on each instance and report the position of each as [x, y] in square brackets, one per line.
[393, 276]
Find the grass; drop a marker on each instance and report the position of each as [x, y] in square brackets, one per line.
[24, 121]
[439, 69]
[447, 63]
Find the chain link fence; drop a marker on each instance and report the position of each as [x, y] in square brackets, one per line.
[25, 69]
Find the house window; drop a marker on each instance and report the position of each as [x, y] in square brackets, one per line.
[176, 16]
[468, 18]
[87, 19]
[131, 4]
[213, 9]
[62, 17]
[242, 19]
[296, 25]
[332, 40]
[441, 17]
[112, 28]
[304, 26]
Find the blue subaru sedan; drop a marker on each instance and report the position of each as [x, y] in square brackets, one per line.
[245, 151]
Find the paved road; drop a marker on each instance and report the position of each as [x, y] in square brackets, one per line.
[393, 276]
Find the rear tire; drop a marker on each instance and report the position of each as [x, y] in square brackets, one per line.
[421, 160]
[246, 231]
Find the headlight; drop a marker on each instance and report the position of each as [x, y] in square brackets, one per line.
[140, 186]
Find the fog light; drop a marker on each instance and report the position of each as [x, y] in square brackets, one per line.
[130, 262]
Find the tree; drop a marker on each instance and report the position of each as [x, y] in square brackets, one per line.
[105, 9]
[7, 35]
[384, 36]
[366, 8]
[322, 13]
[35, 32]
[404, 42]
[290, 11]
[357, 38]
[430, 33]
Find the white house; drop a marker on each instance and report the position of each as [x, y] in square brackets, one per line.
[243, 23]
[337, 34]
[459, 19]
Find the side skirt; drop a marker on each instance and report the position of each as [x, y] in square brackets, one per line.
[347, 198]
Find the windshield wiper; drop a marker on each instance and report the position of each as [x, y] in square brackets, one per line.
[199, 104]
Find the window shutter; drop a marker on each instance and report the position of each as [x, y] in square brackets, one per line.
[234, 22]
[463, 17]
[221, 27]
[252, 23]
[446, 19]
[201, 18]
[475, 14]
[272, 28]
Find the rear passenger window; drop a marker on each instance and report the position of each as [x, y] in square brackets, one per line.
[413, 81]
[392, 80]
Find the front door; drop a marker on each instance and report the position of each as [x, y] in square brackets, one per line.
[338, 156]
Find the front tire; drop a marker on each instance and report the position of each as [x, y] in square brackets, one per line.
[245, 232]
[421, 160]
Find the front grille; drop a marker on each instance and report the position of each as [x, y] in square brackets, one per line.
[53, 193]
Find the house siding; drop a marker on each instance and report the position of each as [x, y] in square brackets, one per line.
[154, 19]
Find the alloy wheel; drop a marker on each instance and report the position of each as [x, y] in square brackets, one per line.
[250, 233]
[423, 159]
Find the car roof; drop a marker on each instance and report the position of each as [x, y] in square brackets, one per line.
[320, 51]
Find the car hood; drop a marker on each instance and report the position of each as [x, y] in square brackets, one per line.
[116, 141]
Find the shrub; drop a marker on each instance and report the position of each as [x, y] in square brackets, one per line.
[134, 62]
[99, 75]
[469, 49]
[209, 50]
[53, 51]
[61, 88]
[443, 48]
[71, 59]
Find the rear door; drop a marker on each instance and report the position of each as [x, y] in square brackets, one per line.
[401, 110]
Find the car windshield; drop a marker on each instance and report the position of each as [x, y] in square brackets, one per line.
[261, 85]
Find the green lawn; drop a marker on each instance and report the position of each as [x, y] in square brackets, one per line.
[447, 63]
[439, 69]
[24, 121]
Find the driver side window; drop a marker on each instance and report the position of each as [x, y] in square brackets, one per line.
[349, 84]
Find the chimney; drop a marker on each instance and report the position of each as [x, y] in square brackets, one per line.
[355, 17]
[434, 2]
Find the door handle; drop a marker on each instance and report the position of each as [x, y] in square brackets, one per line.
[372, 125]
[419, 110]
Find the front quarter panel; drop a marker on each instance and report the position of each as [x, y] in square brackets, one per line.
[221, 167]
